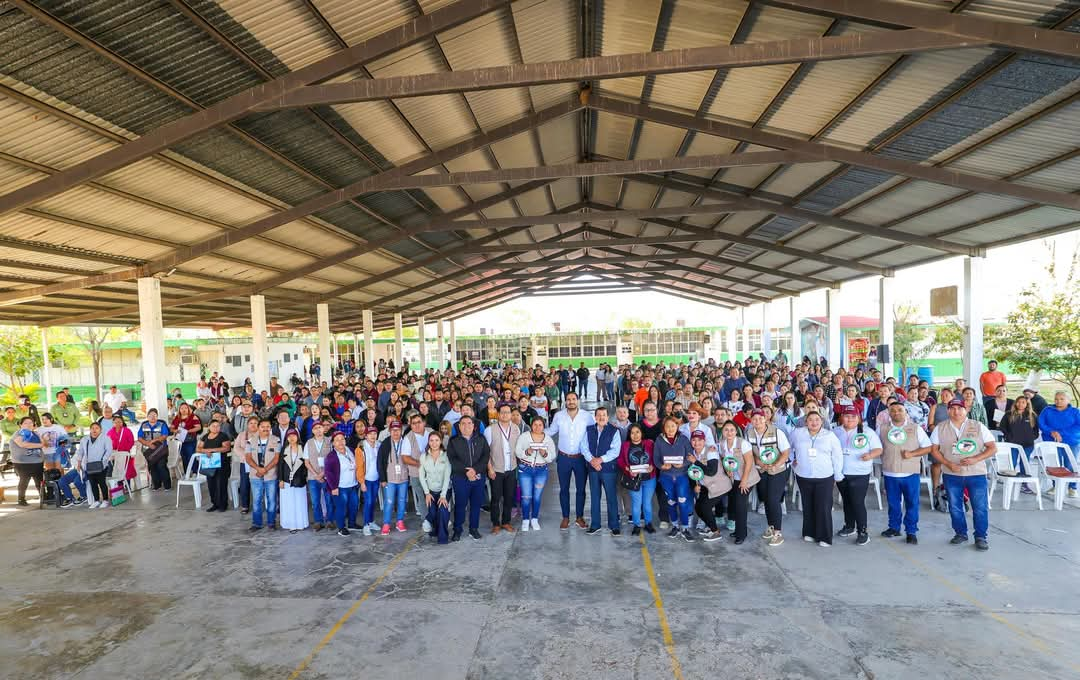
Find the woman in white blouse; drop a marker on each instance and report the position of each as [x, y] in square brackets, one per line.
[535, 450]
[818, 462]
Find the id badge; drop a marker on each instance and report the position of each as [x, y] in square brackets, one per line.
[812, 453]
[322, 459]
[397, 470]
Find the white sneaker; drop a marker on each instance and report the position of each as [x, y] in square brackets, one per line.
[664, 526]
[808, 539]
[524, 525]
[427, 526]
[92, 506]
[103, 504]
[367, 529]
[535, 524]
[823, 544]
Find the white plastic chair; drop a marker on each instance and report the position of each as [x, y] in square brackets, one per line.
[999, 436]
[925, 478]
[234, 491]
[876, 483]
[192, 480]
[1050, 455]
[120, 463]
[1002, 462]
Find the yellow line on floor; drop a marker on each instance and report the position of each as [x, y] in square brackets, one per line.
[1038, 643]
[669, 641]
[352, 610]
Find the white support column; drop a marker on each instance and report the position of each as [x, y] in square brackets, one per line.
[260, 353]
[440, 354]
[832, 313]
[422, 351]
[766, 333]
[399, 343]
[733, 321]
[322, 311]
[369, 343]
[453, 344]
[152, 337]
[885, 321]
[745, 332]
[973, 320]
[46, 367]
[796, 336]
[356, 349]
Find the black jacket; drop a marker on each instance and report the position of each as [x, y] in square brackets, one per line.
[468, 453]
[989, 405]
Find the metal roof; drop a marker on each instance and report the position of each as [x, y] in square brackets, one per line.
[323, 150]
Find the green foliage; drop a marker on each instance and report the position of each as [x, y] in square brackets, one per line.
[20, 354]
[909, 339]
[10, 397]
[949, 337]
[634, 323]
[1043, 330]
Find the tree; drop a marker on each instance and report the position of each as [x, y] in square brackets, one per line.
[634, 323]
[94, 339]
[20, 355]
[1042, 332]
[909, 338]
[949, 337]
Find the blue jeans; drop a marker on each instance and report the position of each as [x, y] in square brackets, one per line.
[345, 506]
[531, 481]
[369, 500]
[467, 495]
[1067, 463]
[641, 501]
[260, 489]
[605, 479]
[317, 492]
[906, 488]
[187, 450]
[439, 518]
[395, 492]
[678, 495]
[72, 476]
[1017, 463]
[564, 465]
[955, 485]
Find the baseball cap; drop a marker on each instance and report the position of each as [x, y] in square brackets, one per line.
[395, 425]
[956, 402]
[757, 412]
[697, 434]
[370, 430]
[849, 410]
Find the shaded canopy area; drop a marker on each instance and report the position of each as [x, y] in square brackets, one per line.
[436, 158]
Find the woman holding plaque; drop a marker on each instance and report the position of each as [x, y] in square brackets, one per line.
[639, 477]
[861, 445]
[736, 458]
[672, 454]
[535, 451]
[214, 448]
[771, 451]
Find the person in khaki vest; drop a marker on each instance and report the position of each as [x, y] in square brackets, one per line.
[502, 438]
[904, 444]
[962, 446]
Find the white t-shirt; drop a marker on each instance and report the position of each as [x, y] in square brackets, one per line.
[855, 448]
[115, 401]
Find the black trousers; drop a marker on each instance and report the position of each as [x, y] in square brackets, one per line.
[771, 489]
[26, 472]
[738, 506]
[817, 508]
[218, 486]
[159, 474]
[99, 485]
[853, 493]
[662, 514]
[706, 508]
[503, 489]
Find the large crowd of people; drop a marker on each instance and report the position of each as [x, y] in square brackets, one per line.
[689, 450]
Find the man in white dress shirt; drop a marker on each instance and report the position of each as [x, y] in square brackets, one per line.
[568, 426]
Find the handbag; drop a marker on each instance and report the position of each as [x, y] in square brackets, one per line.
[155, 453]
[95, 467]
[630, 483]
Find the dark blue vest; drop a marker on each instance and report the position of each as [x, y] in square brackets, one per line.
[600, 442]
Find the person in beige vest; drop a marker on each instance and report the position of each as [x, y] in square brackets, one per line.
[502, 437]
[393, 478]
[903, 445]
[962, 446]
[412, 450]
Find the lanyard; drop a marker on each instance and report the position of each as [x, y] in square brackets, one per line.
[506, 436]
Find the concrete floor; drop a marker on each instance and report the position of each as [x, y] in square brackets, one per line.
[145, 589]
